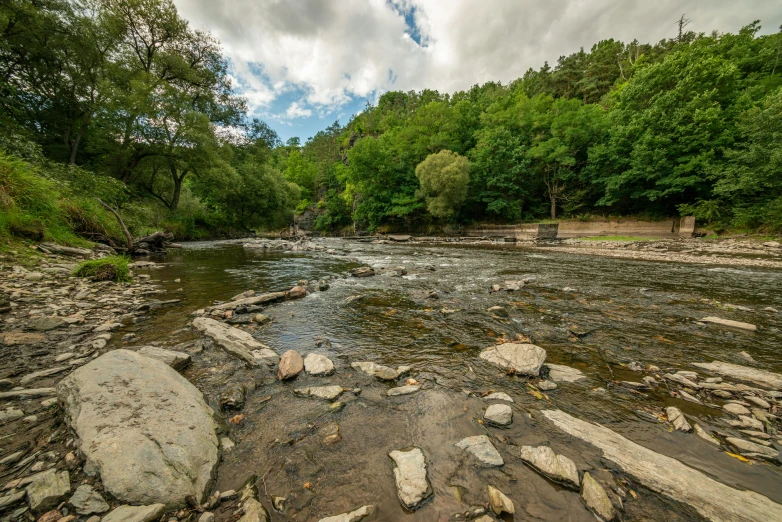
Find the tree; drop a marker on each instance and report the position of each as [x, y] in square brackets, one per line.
[444, 178]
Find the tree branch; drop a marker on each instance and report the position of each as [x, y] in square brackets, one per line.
[128, 237]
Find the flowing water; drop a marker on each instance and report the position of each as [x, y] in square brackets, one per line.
[593, 313]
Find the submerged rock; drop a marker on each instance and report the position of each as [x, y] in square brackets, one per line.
[596, 499]
[353, 516]
[234, 341]
[558, 468]
[316, 364]
[524, 359]
[142, 427]
[291, 364]
[499, 502]
[667, 476]
[482, 449]
[498, 396]
[676, 417]
[328, 393]
[744, 373]
[384, 373]
[402, 390]
[363, 271]
[745, 446]
[498, 415]
[562, 373]
[412, 485]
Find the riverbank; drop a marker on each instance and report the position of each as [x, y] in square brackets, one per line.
[362, 378]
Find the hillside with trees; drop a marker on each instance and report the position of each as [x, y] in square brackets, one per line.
[122, 100]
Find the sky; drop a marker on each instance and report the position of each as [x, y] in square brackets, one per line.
[302, 64]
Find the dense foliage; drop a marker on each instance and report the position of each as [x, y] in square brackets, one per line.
[123, 100]
[690, 125]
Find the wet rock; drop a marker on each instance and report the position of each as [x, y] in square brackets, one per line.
[47, 489]
[547, 385]
[17, 338]
[11, 499]
[746, 422]
[498, 396]
[596, 499]
[410, 477]
[353, 516]
[10, 414]
[316, 364]
[233, 399]
[27, 379]
[291, 364]
[745, 446]
[728, 322]
[87, 501]
[524, 359]
[482, 449]
[234, 341]
[297, 292]
[249, 301]
[498, 311]
[143, 427]
[363, 271]
[700, 432]
[561, 373]
[253, 510]
[29, 393]
[328, 393]
[757, 401]
[206, 516]
[664, 475]
[743, 373]
[330, 433]
[681, 379]
[402, 390]
[135, 513]
[384, 373]
[261, 318]
[176, 360]
[556, 467]
[676, 418]
[498, 415]
[735, 409]
[50, 516]
[747, 357]
[499, 502]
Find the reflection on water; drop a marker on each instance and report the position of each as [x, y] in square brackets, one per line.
[613, 312]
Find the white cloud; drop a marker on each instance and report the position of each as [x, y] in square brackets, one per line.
[333, 51]
[297, 111]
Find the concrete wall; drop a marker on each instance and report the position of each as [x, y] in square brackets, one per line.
[523, 231]
[619, 227]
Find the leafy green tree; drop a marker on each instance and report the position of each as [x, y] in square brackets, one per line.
[444, 179]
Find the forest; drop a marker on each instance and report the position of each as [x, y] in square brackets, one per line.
[122, 101]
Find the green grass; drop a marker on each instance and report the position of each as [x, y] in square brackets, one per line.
[112, 268]
[617, 238]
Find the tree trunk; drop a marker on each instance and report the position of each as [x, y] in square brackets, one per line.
[75, 148]
[553, 199]
[177, 192]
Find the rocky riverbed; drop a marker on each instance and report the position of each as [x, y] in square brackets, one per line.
[334, 380]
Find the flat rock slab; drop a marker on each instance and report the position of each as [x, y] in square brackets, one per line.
[316, 364]
[16, 338]
[88, 501]
[744, 373]
[410, 477]
[176, 360]
[712, 499]
[596, 499]
[498, 415]
[482, 449]
[328, 393]
[135, 513]
[745, 446]
[732, 324]
[498, 396]
[47, 489]
[402, 390]
[525, 359]
[562, 373]
[353, 516]
[250, 301]
[143, 427]
[30, 377]
[234, 341]
[558, 468]
[30, 393]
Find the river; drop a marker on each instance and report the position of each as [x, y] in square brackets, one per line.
[592, 313]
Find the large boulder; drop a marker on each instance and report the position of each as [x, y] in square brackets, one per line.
[142, 427]
[524, 359]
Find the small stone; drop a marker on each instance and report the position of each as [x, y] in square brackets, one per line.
[10, 414]
[291, 364]
[50, 516]
[135, 513]
[700, 432]
[228, 495]
[499, 415]
[482, 449]
[353, 516]
[402, 390]
[523, 359]
[556, 467]
[498, 396]
[676, 417]
[757, 401]
[47, 489]
[206, 516]
[316, 364]
[410, 477]
[735, 409]
[498, 311]
[261, 318]
[226, 444]
[499, 502]
[745, 446]
[596, 499]
[547, 385]
[30, 377]
[88, 501]
[296, 292]
[328, 393]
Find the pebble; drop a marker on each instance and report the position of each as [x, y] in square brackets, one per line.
[498, 415]
[736, 409]
[498, 396]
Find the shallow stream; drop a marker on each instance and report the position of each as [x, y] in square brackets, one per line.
[592, 313]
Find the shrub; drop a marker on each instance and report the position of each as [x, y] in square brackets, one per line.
[112, 268]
